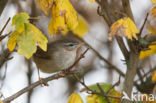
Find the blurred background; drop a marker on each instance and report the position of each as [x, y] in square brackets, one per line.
[18, 72]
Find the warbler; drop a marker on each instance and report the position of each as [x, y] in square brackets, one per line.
[60, 54]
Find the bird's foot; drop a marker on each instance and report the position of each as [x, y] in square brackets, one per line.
[42, 82]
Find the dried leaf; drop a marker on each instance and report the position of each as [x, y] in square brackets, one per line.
[75, 98]
[45, 5]
[64, 17]
[92, 1]
[124, 27]
[153, 12]
[152, 29]
[154, 76]
[153, 1]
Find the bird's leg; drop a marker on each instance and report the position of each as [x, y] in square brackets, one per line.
[42, 83]
[40, 79]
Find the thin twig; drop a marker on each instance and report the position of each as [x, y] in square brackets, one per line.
[2, 5]
[102, 58]
[102, 91]
[4, 57]
[150, 71]
[37, 18]
[4, 36]
[92, 91]
[143, 24]
[29, 77]
[4, 26]
[81, 56]
[116, 84]
[4, 76]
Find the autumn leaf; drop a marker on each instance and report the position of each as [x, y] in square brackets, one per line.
[81, 28]
[154, 76]
[19, 20]
[45, 5]
[64, 17]
[144, 54]
[153, 1]
[153, 12]
[152, 48]
[26, 45]
[27, 40]
[94, 98]
[75, 98]
[13, 40]
[124, 27]
[37, 35]
[152, 29]
[92, 1]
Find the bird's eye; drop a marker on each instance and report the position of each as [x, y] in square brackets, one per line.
[70, 44]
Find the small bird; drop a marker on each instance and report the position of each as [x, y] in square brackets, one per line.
[60, 54]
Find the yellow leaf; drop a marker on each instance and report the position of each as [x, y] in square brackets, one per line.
[154, 76]
[1, 101]
[82, 27]
[37, 35]
[93, 98]
[64, 17]
[144, 54]
[19, 20]
[27, 37]
[152, 29]
[28, 40]
[124, 27]
[92, 1]
[153, 1]
[75, 98]
[12, 40]
[26, 45]
[45, 5]
[153, 12]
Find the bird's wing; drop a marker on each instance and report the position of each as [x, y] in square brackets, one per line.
[42, 54]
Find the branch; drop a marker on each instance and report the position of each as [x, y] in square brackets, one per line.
[4, 57]
[4, 26]
[2, 5]
[150, 71]
[132, 64]
[122, 47]
[150, 37]
[61, 74]
[29, 78]
[102, 58]
[127, 8]
[142, 27]
[101, 93]
[106, 17]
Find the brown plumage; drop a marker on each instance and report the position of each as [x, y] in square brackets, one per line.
[60, 54]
